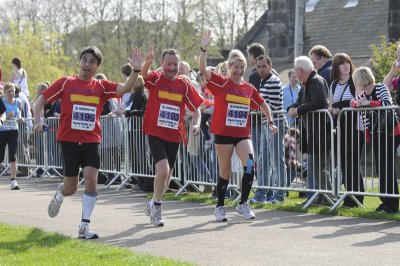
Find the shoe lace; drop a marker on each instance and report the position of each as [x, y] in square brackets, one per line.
[221, 211]
[158, 214]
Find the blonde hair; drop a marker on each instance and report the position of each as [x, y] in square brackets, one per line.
[9, 85]
[363, 77]
[139, 84]
[236, 55]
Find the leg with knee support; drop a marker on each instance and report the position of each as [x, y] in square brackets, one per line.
[247, 179]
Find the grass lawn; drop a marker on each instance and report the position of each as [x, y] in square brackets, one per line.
[370, 204]
[21, 245]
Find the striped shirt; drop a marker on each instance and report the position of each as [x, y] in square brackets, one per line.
[271, 91]
[343, 93]
[381, 93]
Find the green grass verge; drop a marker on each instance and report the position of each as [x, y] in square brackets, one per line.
[370, 204]
[21, 245]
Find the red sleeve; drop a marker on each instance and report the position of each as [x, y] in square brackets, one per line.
[216, 83]
[110, 88]
[55, 91]
[151, 79]
[256, 99]
[192, 99]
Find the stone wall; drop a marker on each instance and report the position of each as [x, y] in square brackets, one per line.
[280, 28]
[394, 20]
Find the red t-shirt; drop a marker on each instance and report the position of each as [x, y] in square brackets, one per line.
[81, 105]
[232, 106]
[166, 106]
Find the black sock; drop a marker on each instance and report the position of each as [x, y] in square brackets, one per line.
[12, 178]
[247, 182]
[157, 203]
[222, 186]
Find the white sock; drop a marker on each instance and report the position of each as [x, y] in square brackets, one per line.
[151, 203]
[88, 203]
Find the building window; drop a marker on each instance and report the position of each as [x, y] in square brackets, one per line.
[310, 5]
[351, 3]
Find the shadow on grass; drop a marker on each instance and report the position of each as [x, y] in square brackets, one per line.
[22, 242]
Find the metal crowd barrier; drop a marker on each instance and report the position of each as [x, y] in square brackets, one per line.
[366, 149]
[328, 161]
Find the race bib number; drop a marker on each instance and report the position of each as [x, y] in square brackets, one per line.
[83, 117]
[168, 116]
[10, 124]
[237, 115]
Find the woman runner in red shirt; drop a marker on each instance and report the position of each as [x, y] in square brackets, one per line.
[231, 124]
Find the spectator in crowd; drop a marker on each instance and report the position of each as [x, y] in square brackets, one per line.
[254, 50]
[392, 82]
[79, 133]
[169, 95]
[321, 58]
[9, 130]
[290, 95]
[313, 96]
[137, 151]
[231, 125]
[126, 71]
[292, 138]
[19, 76]
[383, 141]
[111, 143]
[271, 159]
[39, 149]
[24, 153]
[341, 92]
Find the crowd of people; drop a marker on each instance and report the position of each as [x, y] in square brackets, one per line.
[217, 103]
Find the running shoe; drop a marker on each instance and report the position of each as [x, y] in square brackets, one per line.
[219, 214]
[85, 232]
[156, 215]
[244, 209]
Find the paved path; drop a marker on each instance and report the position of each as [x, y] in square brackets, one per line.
[191, 233]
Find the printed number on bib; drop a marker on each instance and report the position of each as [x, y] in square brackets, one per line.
[168, 116]
[83, 117]
[237, 115]
[10, 124]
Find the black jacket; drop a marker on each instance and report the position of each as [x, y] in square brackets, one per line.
[312, 97]
[138, 106]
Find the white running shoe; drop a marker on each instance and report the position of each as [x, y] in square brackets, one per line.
[244, 209]
[156, 215]
[54, 206]
[14, 185]
[85, 232]
[219, 214]
[147, 209]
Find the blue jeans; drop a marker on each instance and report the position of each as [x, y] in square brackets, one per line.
[271, 168]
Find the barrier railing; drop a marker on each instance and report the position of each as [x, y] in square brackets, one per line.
[124, 153]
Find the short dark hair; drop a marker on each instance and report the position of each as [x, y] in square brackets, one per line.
[126, 69]
[255, 49]
[17, 89]
[100, 76]
[267, 58]
[290, 73]
[16, 61]
[170, 52]
[94, 51]
[320, 51]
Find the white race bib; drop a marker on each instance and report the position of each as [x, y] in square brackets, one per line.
[237, 115]
[168, 116]
[83, 117]
[10, 124]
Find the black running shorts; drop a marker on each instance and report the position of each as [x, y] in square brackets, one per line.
[77, 155]
[219, 139]
[161, 149]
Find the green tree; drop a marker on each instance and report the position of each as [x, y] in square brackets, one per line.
[383, 56]
[40, 51]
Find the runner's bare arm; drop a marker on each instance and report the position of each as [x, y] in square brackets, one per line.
[136, 62]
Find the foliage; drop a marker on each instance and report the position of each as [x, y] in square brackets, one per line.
[40, 53]
[383, 57]
[21, 245]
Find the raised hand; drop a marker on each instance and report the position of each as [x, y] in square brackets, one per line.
[150, 55]
[136, 59]
[206, 39]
